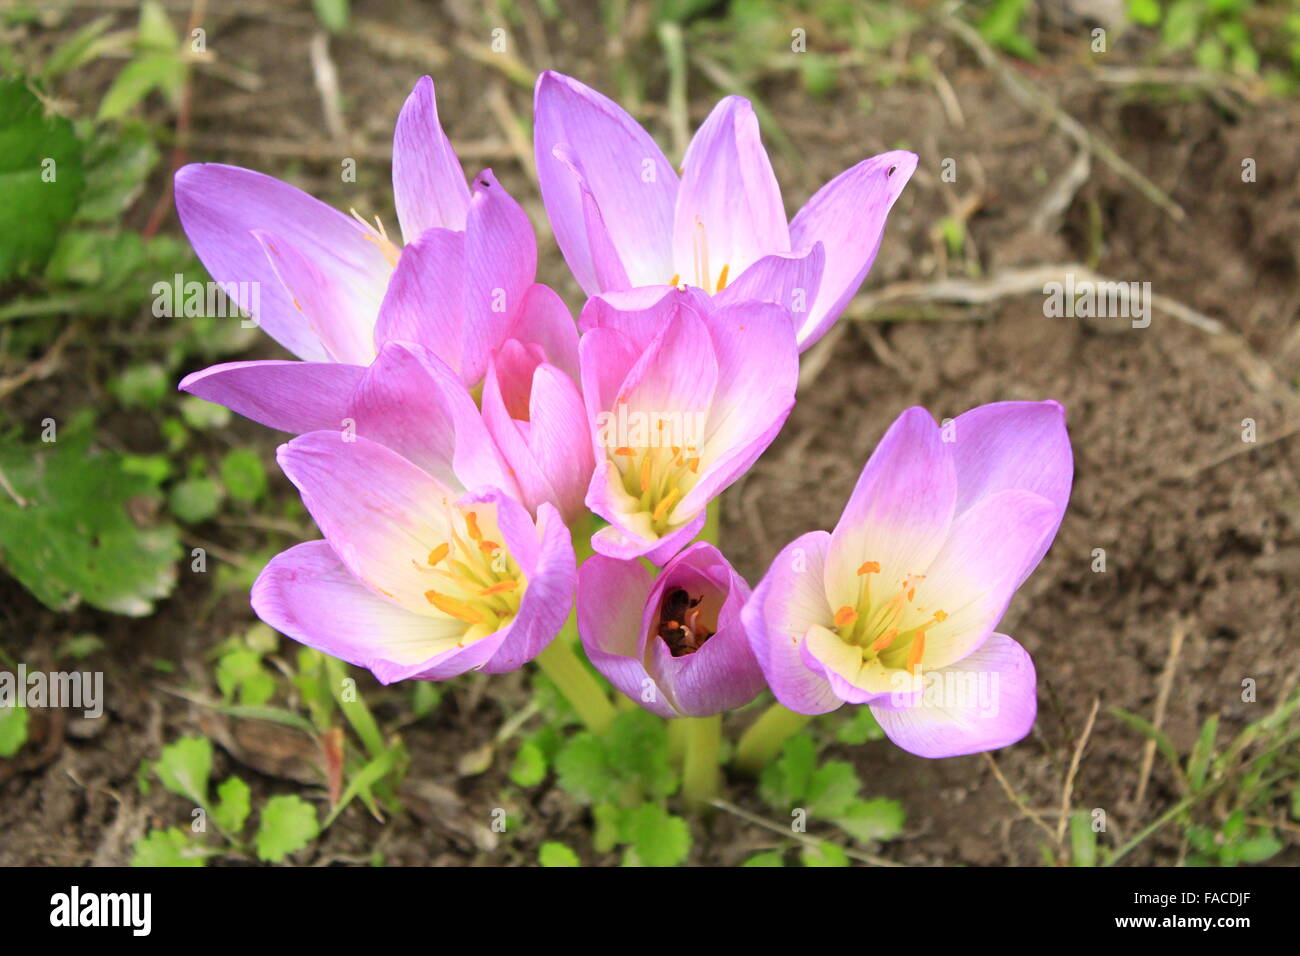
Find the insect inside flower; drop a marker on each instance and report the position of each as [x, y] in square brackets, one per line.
[681, 623]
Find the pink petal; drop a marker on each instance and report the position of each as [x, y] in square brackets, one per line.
[219, 207]
[630, 181]
[985, 701]
[790, 279]
[290, 396]
[787, 602]
[425, 298]
[428, 183]
[545, 320]
[900, 510]
[729, 204]
[848, 215]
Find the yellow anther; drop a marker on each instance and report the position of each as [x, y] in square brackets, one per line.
[845, 615]
[940, 616]
[501, 586]
[915, 653]
[471, 525]
[694, 465]
[487, 547]
[676, 280]
[722, 278]
[645, 474]
[457, 609]
[869, 567]
[438, 553]
[884, 640]
[624, 451]
[666, 505]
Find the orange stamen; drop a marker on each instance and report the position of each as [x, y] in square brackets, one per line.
[438, 553]
[471, 524]
[869, 567]
[507, 585]
[666, 505]
[884, 640]
[916, 651]
[457, 609]
[845, 615]
[722, 278]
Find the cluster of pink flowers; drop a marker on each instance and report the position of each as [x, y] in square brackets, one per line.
[457, 431]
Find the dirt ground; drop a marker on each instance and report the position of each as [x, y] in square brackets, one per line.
[1201, 530]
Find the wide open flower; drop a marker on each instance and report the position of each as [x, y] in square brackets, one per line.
[332, 288]
[673, 643]
[624, 219]
[681, 402]
[896, 608]
[415, 578]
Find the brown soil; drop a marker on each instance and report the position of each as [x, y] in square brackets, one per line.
[1200, 530]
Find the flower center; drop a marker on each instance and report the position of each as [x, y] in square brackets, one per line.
[657, 476]
[700, 264]
[682, 625]
[480, 583]
[891, 630]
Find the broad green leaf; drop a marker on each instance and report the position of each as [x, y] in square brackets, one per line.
[785, 781]
[878, 819]
[139, 78]
[13, 730]
[41, 179]
[608, 832]
[185, 766]
[81, 47]
[1144, 12]
[141, 386]
[582, 770]
[117, 167]
[658, 837]
[288, 824]
[766, 858]
[1259, 848]
[156, 32]
[529, 768]
[557, 854]
[234, 802]
[201, 415]
[194, 500]
[861, 727]
[243, 474]
[87, 531]
[824, 854]
[171, 847]
[833, 789]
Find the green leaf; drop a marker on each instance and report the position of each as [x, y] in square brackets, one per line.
[861, 727]
[582, 770]
[366, 778]
[833, 788]
[878, 819]
[139, 78]
[202, 415]
[194, 500]
[87, 531]
[80, 48]
[658, 837]
[333, 14]
[243, 475]
[1144, 12]
[529, 768]
[557, 854]
[1198, 765]
[185, 766]
[608, 832]
[155, 31]
[117, 167]
[41, 179]
[766, 858]
[172, 847]
[234, 803]
[785, 781]
[1259, 848]
[1083, 840]
[824, 854]
[13, 730]
[637, 752]
[288, 824]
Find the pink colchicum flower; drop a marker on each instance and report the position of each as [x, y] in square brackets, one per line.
[674, 643]
[416, 578]
[680, 402]
[896, 608]
[332, 289]
[624, 219]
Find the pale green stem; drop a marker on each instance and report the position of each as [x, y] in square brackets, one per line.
[701, 775]
[583, 692]
[760, 744]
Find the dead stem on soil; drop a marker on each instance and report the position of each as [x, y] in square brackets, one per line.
[1027, 811]
[1067, 792]
[1162, 704]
